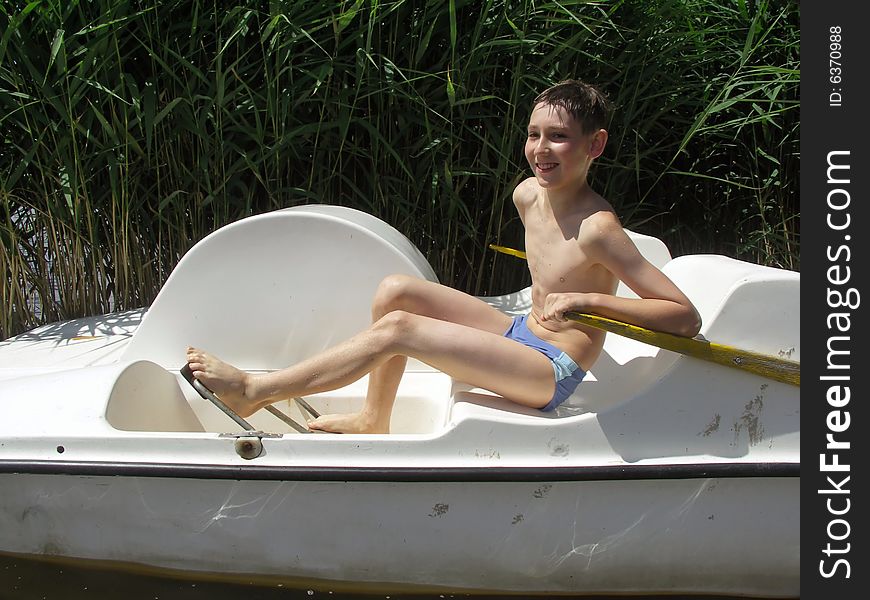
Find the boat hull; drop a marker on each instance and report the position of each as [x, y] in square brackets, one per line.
[710, 535]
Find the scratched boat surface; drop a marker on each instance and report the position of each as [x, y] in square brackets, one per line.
[663, 474]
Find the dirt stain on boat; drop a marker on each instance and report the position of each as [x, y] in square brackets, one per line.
[750, 420]
[542, 491]
[558, 449]
[439, 510]
[713, 426]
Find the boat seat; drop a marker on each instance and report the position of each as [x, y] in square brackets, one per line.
[272, 289]
[266, 292]
[146, 397]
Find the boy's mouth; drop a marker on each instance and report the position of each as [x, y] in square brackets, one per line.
[545, 167]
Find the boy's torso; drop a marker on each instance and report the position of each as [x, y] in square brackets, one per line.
[558, 262]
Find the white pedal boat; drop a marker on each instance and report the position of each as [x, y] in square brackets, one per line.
[663, 474]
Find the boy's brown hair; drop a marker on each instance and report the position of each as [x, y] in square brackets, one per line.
[584, 102]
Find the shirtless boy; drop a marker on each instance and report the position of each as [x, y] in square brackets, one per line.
[577, 252]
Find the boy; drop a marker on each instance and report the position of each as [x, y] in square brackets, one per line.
[577, 252]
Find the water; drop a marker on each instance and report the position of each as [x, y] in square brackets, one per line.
[27, 579]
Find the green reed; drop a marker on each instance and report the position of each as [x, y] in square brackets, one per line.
[130, 130]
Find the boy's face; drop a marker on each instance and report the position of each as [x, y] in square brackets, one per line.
[557, 149]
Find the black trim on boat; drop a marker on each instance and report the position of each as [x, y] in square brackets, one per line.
[402, 474]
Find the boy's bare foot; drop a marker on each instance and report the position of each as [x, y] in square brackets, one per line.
[230, 384]
[347, 423]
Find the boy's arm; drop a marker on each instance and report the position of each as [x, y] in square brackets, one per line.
[662, 306]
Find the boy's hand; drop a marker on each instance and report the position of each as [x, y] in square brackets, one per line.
[558, 303]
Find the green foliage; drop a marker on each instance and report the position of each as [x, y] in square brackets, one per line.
[131, 129]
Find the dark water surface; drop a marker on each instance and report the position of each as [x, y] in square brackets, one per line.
[28, 579]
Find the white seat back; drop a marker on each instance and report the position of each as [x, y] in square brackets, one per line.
[270, 290]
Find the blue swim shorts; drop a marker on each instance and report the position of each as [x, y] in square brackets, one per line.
[568, 374]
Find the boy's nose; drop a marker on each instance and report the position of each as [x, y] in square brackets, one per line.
[542, 145]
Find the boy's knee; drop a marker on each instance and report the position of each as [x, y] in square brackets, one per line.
[399, 321]
[394, 328]
[391, 293]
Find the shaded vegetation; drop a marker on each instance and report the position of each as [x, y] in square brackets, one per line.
[131, 129]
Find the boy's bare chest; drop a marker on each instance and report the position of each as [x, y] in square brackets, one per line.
[556, 258]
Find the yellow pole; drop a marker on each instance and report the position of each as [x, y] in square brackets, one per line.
[506, 250]
[772, 367]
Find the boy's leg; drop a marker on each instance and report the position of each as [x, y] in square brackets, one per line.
[429, 299]
[479, 358]
[425, 298]
[450, 330]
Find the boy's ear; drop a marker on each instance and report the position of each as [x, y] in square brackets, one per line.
[599, 140]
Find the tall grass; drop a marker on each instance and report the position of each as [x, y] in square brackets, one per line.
[132, 129]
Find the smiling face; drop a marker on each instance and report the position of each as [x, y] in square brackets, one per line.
[557, 149]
